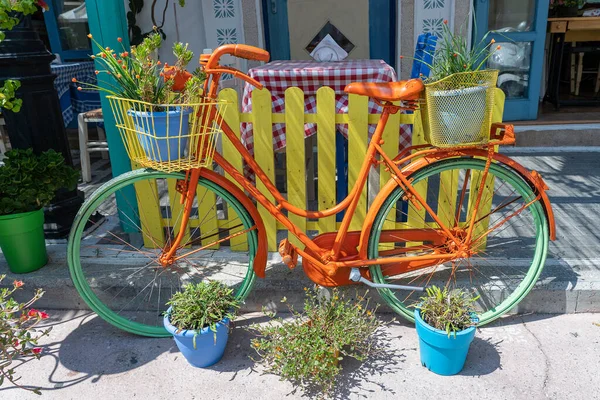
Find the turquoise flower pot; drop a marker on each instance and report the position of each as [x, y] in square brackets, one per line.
[439, 353]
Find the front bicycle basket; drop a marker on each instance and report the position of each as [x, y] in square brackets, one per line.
[169, 137]
[459, 108]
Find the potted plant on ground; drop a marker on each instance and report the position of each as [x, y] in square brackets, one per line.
[28, 182]
[445, 321]
[18, 334]
[306, 349]
[150, 98]
[199, 318]
[459, 94]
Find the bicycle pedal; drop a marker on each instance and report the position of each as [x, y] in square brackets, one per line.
[288, 253]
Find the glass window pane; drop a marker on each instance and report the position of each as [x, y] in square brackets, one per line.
[511, 15]
[72, 21]
[513, 60]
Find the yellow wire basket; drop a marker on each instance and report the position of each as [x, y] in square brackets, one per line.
[459, 108]
[169, 137]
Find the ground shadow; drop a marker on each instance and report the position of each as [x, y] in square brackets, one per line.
[483, 358]
[95, 349]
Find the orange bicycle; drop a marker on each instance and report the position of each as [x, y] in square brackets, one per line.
[491, 236]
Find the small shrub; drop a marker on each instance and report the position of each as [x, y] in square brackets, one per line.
[202, 305]
[29, 182]
[18, 335]
[448, 310]
[306, 349]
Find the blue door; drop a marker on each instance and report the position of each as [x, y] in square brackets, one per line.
[365, 28]
[519, 28]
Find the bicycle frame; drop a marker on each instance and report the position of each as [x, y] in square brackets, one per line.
[330, 259]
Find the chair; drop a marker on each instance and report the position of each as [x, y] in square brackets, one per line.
[577, 71]
[86, 146]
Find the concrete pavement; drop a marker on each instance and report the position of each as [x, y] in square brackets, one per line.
[520, 357]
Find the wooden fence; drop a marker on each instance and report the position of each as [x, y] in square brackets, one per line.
[358, 118]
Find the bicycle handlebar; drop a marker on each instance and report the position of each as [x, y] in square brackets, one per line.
[237, 50]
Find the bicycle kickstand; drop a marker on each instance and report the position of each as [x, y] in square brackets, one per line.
[355, 276]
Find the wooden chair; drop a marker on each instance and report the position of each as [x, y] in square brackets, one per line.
[86, 146]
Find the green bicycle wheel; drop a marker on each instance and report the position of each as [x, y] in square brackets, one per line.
[510, 232]
[121, 230]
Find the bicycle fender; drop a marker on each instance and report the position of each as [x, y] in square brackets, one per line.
[260, 260]
[532, 177]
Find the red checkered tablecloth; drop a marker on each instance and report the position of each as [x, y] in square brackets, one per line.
[309, 76]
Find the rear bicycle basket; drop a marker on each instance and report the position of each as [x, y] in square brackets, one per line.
[169, 137]
[459, 108]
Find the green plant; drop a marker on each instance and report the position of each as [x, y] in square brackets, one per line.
[448, 310]
[454, 55]
[18, 335]
[28, 182]
[138, 76]
[11, 12]
[202, 305]
[8, 101]
[307, 348]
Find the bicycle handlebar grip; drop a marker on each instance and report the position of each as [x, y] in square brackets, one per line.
[251, 53]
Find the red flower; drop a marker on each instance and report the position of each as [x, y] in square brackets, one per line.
[15, 343]
[32, 313]
[17, 283]
[43, 4]
[124, 54]
[37, 350]
[119, 39]
[43, 315]
[445, 22]
[454, 55]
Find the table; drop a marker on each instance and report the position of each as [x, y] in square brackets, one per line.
[568, 29]
[72, 101]
[309, 76]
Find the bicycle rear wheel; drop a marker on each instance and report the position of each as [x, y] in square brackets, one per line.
[121, 230]
[510, 255]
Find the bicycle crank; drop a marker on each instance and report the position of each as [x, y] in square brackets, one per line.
[355, 276]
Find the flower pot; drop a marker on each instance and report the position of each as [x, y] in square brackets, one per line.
[567, 11]
[207, 351]
[459, 114]
[439, 353]
[22, 241]
[162, 134]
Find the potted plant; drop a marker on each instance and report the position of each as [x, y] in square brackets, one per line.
[28, 182]
[445, 321]
[150, 96]
[18, 334]
[460, 91]
[199, 318]
[307, 348]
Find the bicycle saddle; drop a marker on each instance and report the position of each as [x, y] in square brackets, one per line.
[387, 91]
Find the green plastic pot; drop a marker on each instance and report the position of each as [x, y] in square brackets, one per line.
[22, 241]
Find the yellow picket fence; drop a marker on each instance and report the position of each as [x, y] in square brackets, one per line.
[358, 118]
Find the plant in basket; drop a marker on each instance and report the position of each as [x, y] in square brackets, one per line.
[306, 349]
[152, 100]
[199, 318]
[460, 91]
[28, 182]
[445, 321]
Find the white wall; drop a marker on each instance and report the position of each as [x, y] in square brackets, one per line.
[189, 23]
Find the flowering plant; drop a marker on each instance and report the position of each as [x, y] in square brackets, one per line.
[139, 76]
[307, 349]
[565, 3]
[18, 335]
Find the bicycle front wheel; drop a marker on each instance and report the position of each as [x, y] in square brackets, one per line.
[121, 230]
[510, 236]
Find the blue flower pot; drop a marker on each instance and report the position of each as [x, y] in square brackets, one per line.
[165, 133]
[207, 351]
[439, 353]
